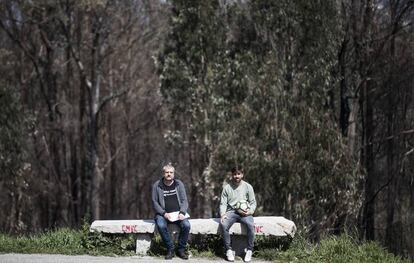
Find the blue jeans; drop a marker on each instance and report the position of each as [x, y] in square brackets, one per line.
[162, 225]
[233, 217]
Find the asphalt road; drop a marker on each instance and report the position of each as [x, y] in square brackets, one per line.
[43, 258]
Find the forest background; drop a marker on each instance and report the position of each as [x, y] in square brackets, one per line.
[313, 98]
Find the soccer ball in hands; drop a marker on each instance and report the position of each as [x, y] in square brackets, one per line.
[242, 206]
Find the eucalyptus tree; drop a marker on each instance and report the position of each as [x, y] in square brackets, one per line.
[292, 144]
[257, 92]
[189, 66]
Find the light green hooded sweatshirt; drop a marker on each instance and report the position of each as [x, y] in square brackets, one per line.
[232, 194]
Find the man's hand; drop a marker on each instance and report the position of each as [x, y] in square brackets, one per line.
[223, 217]
[167, 216]
[242, 213]
[181, 216]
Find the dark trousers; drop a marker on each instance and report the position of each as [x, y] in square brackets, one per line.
[162, 225]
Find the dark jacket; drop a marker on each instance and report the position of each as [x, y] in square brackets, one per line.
[158, 197]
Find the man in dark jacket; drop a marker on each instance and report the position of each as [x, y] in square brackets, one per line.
[170, 203]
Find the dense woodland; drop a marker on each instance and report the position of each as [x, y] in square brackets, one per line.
[313, 98]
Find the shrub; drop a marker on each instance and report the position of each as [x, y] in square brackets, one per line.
[332, 249]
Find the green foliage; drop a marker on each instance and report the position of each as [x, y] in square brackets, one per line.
[331, 249]
[70, 242]
[107, 244]
[77, 242]
[200, 244]
[62, 241]
[256, 92]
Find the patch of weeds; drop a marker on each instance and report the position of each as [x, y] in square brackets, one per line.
[272, 242]
[206, 245]
[333, 249]
[62, 241]
[270, 248]
[209, 246]
[110, 244]
[157, 246]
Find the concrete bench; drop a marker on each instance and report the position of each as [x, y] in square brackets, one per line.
[145, 229]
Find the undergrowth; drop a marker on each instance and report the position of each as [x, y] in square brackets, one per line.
[332, 249]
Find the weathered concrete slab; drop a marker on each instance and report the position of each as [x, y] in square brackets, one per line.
[123, 226]
[265, 225]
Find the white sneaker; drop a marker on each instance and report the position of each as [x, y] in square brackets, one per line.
[248, 256]
[230, 255]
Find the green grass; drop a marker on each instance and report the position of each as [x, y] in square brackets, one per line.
[62, 241]
[331, 249]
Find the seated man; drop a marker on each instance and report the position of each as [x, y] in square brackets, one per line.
[234, 193]
[169, 196]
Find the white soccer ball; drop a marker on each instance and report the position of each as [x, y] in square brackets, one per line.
[242, 206]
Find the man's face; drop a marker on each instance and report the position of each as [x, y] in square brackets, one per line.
[237, 177]
[168, 174]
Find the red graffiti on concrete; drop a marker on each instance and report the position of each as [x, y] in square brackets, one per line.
[129, 228]
[258, 229]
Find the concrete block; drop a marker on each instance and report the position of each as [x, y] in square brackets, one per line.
[143, 244]
[265, 225]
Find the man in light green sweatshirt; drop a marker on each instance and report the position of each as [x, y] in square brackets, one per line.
[237, 191]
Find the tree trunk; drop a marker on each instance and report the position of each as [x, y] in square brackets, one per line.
[392, 171]
[96, 172]
[368, 161]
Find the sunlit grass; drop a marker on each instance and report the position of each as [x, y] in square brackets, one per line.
[62, 241]
[331, 249]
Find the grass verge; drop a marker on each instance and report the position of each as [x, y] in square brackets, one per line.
[331, 249]
[62, 241]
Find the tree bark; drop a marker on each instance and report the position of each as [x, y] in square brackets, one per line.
[368, 161]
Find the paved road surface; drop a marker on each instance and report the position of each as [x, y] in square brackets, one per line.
[43, 258]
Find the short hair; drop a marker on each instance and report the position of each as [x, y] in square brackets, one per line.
[236, 169]
[168, 166]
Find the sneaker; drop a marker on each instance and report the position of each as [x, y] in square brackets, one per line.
[181, 254]
[170, 254]
[248, 255]
[230, 255]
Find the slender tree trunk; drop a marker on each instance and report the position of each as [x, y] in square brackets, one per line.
[94, 104]
[411, 220]
[392, 171]
[392, 177]
[368, 161]
[352, 128]
[208, 188]
[344, 102]
[96, 172]
[113, 194]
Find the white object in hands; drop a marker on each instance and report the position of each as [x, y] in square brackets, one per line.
[174, 216]
[242, 206]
